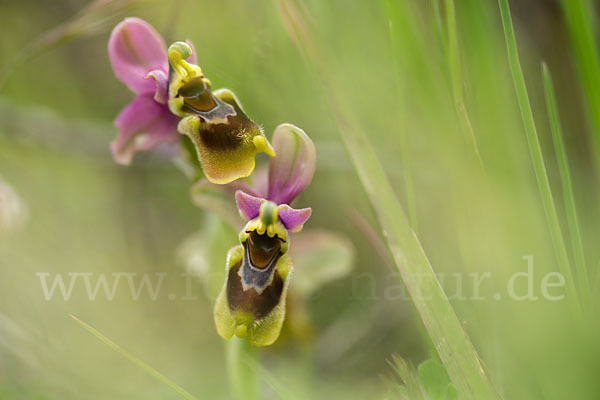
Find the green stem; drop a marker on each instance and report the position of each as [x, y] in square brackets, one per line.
[567, 187]
[242, 377]
[535, 152]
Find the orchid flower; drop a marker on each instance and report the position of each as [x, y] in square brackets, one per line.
[226, 139]
[252, 301]
[138, 56]
[172, 95]
[320, 257]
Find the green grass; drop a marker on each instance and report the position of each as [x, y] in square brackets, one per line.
[445, 330]
[454, 66]
[184, 394]
[567, 186]
[409, 191]
[537, 158]
[579, 15]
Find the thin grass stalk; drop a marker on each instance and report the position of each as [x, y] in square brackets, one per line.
[453, 60]
[448, 40]
[579, 15]
[453, 52]
[567, 187]
[537, 159]
[404, 153]
[151, 371]
[445, 330]
[437, 19]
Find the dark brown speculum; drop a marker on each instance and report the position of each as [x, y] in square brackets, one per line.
[197, 96]
[263, 249]
[226, 123]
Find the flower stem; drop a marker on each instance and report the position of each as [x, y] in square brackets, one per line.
[242, 376]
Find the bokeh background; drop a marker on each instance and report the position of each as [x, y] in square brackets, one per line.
[66, 207]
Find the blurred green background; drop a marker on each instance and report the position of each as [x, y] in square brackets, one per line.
[65, 206]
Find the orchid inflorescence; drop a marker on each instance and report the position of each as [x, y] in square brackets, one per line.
[174, 101]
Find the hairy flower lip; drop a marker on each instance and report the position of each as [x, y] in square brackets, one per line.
[248, 313]
[225, 138]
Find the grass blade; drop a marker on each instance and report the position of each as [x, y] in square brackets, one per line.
[567, 187]
[535, 152]
[453, 60]
[579, 15]
[404, 156]
[445, 330]
[160, 377]
[448, 39]
[453, 53]
[437, 19]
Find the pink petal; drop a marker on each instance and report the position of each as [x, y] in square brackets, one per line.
[135, 49]
[142, 124]
[292, 169]
[161, 82]
[293, 219]
[248, 206]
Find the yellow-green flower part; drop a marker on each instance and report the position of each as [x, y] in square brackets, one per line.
[226, 139]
